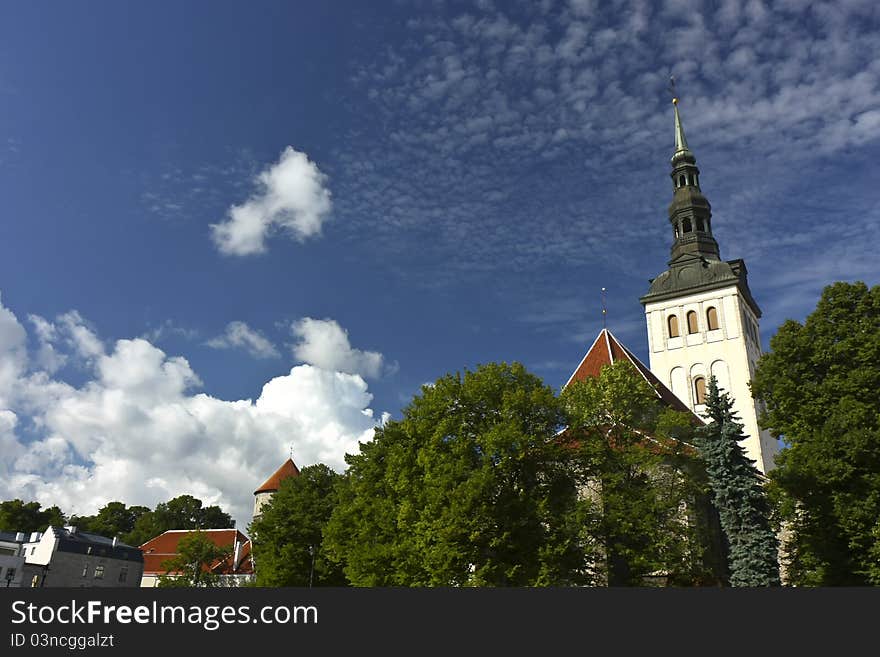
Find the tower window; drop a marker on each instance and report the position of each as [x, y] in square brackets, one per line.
[700, 226]
[686, 226]
[700, 390]
[692, 322]
[672, 323]
[681, 181]
[712, 318]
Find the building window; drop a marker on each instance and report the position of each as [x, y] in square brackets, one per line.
[99, 572]
[681, 181]
[692, 322]
[712, 318]
[700, 226]
[10, 575]
[672, 323]
[123, 573]
[700, 390]
[686, 226]
[33, 549]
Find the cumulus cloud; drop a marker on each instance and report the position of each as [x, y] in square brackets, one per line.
[140, 431]
[240, 335]
[291, 197]
[324, 343]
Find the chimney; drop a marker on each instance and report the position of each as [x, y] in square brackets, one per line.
[35, 536]
[20, 537]
[71, 529]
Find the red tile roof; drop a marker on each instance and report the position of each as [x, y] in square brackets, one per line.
[164, 547]
[287, 469]
[605, 350]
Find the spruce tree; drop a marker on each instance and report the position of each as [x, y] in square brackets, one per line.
[739, 496]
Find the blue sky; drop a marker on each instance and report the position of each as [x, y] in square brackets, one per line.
[231, 227]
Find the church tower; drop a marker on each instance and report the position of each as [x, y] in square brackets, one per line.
[702, 319]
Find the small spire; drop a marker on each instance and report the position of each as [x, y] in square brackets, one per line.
[681, 145]
[604, 309]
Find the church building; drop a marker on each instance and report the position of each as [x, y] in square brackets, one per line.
[702, 319]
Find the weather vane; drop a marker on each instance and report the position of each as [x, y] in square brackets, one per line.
[672, 89]
[604, 310]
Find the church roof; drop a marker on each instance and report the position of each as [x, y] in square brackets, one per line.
[607, 349]
[163, 547]
[287, 469]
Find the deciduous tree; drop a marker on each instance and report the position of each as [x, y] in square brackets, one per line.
[288, 536]
[819, 383]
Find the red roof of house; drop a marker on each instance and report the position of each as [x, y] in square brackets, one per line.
[287, 469]
[164, 547]
[607, 349]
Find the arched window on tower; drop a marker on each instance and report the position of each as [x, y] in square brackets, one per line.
[686, 226]
[681, 181]
[692, 322]
[700, 390]
[672, 323]
[700, 226]
[712, 318]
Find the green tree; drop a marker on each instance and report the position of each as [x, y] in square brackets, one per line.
[19, 516]
[819, 383]
[182, 512]
[644, 505]
[738, 494]
[288, 535]
[470, 488]
[113, 519]
[192, 566]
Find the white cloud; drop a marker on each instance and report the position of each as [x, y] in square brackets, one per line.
[291, 197]
[138, 430]
[239, 334]
[324, 343]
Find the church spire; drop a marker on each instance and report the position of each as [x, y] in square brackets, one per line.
[681, 144]
[689, 213]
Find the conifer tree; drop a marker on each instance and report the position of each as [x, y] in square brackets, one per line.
[739, 496]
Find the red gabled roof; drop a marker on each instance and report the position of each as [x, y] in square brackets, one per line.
[287, 469]
[605, 350]
[164, 547]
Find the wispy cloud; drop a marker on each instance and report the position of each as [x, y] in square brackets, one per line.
[240, 335]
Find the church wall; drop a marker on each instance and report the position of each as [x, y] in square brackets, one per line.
[729, 352]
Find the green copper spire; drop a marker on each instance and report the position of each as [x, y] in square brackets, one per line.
[681, 144]
[690, 213]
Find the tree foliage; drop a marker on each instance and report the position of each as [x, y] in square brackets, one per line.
[738, 494]
[192, 566]
[19, 516]
[470, 488]
[644, 506]
[181, 512]
[819, 383]
[113, 519]
[288, 537]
